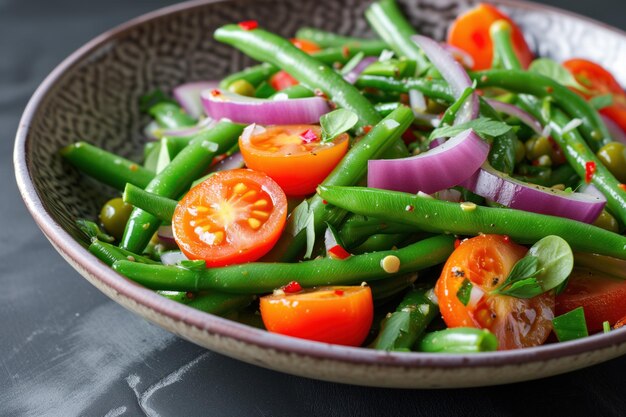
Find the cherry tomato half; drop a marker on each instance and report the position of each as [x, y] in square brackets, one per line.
[339, 315]
[486, 261]
[470, 32]
[601, 297]
[233, 217]
[293, 156]
[282, 79]
[600, 82]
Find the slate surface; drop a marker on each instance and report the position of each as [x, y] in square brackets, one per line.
[66, 350]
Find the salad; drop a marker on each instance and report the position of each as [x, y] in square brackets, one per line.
[397, 193]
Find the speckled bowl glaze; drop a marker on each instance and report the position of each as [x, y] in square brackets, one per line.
[92, 96]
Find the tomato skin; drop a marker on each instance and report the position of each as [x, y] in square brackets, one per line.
[235, 216]
[338, 315]
[600, 82]
[486, 261]
[296, 166]
[602, 298]
[470, 32]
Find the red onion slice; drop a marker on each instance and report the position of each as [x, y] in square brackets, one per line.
[453, 73]
[242, 109]
[355, 73]
[515, 111]
[442, 167]
[166, 235]
[188, 96]
[459, 54]
[492, 184]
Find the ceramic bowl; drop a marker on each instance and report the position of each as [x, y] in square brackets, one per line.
[92, 96]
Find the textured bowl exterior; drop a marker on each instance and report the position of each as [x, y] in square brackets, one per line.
[93, 96]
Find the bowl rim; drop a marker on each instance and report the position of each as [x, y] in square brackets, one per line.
[212, 324]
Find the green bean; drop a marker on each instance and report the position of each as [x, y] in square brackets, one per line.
[430, 215]
[158, 206]
[254, 75]
[176, 178]
[264, 90]
[265, 46]
[433, 88]
[387, 20]
[257, 278]
[385, 108]
[459, 340]
[380, 242]
[356, 229]
[210, 302]
[296, 91]
[401, 329]
[326, 39]
[503, 52]
[170, 116]
[384, 289]
[109, 254]
[349, 171]
[108, 168]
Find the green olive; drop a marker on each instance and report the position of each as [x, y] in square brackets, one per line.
[613, 156]
[536, 147]
[606, 221]
[520, 151]
[114, 216]
[242, 87]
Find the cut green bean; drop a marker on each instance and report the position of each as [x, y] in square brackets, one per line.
[213, 302]
[459, 340]
[109, 254]
[401, 329]
[159, 206]
[106, 167]
[326, 39]
[171, 116]
[188, 165]
[357, 229]
[428, 214]
[257, 278]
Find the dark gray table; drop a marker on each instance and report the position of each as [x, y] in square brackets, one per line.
[66, 350]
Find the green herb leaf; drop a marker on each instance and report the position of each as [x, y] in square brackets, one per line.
[524, 268]
[525, 288]
[555, 261]
[394, 326]
[571, 325]
[522, 281]
[92, 231]
[194, 265]
[302, 218]
[600, 102]
[557, 72]
[337, 122]
[463, 294]
[450, 114]
[310, 235]
[483, 126]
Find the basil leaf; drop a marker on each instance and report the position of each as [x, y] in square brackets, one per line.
[600, 102]
[557, 72]
[483, 126]
[571, 325]
[298, 219]
[524, 268]
[525, 288]
[555, 261]
[337, 122]
[463, 294]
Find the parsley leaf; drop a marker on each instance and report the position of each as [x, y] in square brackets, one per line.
[483, 126]
[337, 122]
[557, 72]
[463, 294]
[522, 281]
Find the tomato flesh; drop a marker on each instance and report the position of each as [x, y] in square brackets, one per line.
[339, 315]
[233, 217]
[601, 297]
[293, 156]
[485, 261]
[599, 82]
[470, 32]
[283, 79]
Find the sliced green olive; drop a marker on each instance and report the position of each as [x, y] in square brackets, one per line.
[114, 216]
[613, 155]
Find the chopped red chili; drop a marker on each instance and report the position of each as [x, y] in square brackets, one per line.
[292, 287]
[249, 24]
[339, 292]
[308, 136]
[590, 169]
[337, 252]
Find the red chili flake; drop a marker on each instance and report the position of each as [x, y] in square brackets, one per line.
[549, 90]
[324, 202]
[292, 287]
[215, 93]
[409, 208]
[249, 24]
[367, 129]
[345, 51]
[190, 295]
[409, 136]
[506, 238]
[457, 243]
[337, 252]
[308, 136]
[590, 169]
[622, 187]
[339, 292]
